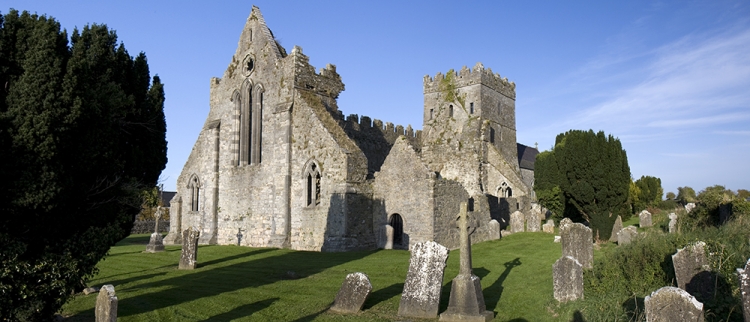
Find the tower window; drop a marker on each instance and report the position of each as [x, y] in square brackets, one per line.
[432, 113]
[471, 108]
[450, 110]
[492, 135]
[312, 187]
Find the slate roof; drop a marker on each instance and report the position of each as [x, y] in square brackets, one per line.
[166, 197]
[526, 156]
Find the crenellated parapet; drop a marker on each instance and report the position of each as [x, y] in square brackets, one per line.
[326, 82]
[466, 77]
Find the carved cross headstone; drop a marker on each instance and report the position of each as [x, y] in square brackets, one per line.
[156, 243]
[239, 236]
[157, 215]
[466, 301]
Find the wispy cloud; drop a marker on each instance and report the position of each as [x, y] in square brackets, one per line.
[732, 132]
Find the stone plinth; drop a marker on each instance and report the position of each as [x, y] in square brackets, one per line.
[577, 242]
[352, 294]
[567, 279]
[644, 219]
[155, 244]
[669, 304]
[421, 295]
[616, 229]
[106, 304]
[189, 256]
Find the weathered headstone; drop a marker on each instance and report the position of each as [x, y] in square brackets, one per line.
[421, 295]
[672, 223]
[567, 279]
[388, 237]
[669, 304]
[689, 207]
[616, 229]
[533, 222]
[466, 301]
[644, 219]
[106, 304]
[626, 235]
[493, 229]
[577, 242]
[744, 276]
[549, 227]
[517, 222]
[691, 270]
[352, 294]
[565, 221]
[156, 244]
[189, 256]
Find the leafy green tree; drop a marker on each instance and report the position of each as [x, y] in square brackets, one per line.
[649, 192]
[670, 195]
[591, 170]
[685, 195]
[82, 132]
[743, 194]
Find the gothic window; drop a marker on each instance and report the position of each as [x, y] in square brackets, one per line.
[195, 193]
[450, 110]
[505, 191]
[257, 126]
[237, 100]
[492, 135]
[432, 113]
[245, 124]
[509, 192]
[312, 187]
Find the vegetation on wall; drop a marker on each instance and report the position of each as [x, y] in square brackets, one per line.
[591, 172]
[82, 132]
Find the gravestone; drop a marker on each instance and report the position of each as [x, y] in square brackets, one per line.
[156, 244]
[744, 276]
[692, 272]
[189, 256]
[533, 222]
[352, 294]
[421, 295]
[106, 304]
[493, 229]
[626, 235]
[577, 242]
[689, 207]
[669, 304]
[466, 301]
[616, 229]
[505, 232]
[388, 237]
[517, 222]
[549, 227]
[644, 219]
[565, 221]
[672, 223]
[567, 279]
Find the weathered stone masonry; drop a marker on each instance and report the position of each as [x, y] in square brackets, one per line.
[278, 165]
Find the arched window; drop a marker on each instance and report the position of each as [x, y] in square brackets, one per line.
[450, 110]
[244, 123]
[504, 191]
[195, 193]
[237, 100]
[257, 125]
[398, 229]
[312, 184]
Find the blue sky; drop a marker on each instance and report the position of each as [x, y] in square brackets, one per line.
[671, 79]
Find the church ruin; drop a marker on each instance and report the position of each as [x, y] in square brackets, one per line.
[277, 164]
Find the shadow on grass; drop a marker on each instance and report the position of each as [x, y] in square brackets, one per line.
[211, 279]
[634, 308]
[495, 291]
[231, 258]
[244, 310]
[578, 317]
[383, 294]
[310, 317]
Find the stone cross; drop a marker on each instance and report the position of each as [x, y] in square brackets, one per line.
[466, 300]
[157, 215]
[239, 236]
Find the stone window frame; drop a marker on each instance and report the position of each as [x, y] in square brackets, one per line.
[450, 110]
[312, 178]
[194, 185]
[504, 190]
[471, 108]
[257, 125]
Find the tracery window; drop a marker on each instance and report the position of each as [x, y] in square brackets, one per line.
[312, 187]
[195, 193]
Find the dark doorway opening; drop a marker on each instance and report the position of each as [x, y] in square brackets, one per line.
[398, 229]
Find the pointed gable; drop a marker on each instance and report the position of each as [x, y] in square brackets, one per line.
[256, 30]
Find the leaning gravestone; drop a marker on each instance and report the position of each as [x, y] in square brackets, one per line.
[669, 304]
[533, 222]
[493, 229]
[744, 275]
[517, 222]
[189, 256]
[577, 242]
[672, 223]
[421, 296]
[466, 301]
[645, 219]
[549, 227]
[352, 294]
[567, 279]
[616, 229]
[691, 270]
[626, 235]
[106, 304]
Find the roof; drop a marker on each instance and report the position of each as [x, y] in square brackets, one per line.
[166, 197]
[526, 156]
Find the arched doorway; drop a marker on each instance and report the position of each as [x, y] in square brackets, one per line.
[398, 229]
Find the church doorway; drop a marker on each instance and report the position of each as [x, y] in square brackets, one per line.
[398, 229]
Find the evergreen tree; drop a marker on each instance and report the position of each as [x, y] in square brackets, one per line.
[84, 127]
[591, 170]
[649, 192]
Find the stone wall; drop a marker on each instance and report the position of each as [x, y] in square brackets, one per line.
[147, 226]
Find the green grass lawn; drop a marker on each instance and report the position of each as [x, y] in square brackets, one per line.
[260, 284]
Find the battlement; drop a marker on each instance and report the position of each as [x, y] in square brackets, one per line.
[354, 122]
[465, 77]
[326, 82]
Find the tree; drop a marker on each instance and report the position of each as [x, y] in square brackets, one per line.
[84, 124]
[685, 195]
[670, 195]
[591, 170]
[743, 193]
[649, 192]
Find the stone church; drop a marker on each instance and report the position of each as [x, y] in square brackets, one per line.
[277, 164]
